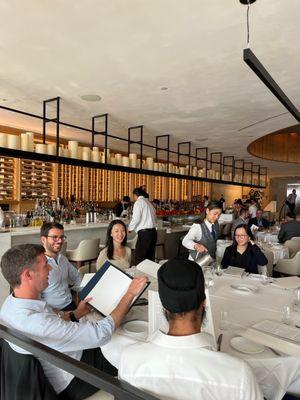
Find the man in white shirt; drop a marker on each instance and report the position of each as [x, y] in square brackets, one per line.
[63, 274]
[144, 223]
[181, 365]
[252, 209]
[26, 269]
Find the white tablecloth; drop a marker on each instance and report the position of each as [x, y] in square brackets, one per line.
[267, 237]
[275, 374]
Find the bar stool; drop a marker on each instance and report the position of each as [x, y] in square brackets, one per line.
[161, 242]
[87, 251]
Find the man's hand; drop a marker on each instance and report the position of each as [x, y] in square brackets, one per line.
[137, 285]
[200, 248]
[134, 289]
[83, 308]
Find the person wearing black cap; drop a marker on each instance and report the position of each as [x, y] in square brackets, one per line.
[181, 364]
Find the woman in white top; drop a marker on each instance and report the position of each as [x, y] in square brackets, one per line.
[202, 237]
[116, 250]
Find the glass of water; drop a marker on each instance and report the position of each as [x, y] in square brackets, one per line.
[296, 300]
[288, 314]
[208, 276]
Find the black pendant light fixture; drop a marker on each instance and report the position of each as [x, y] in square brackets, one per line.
[252, 61]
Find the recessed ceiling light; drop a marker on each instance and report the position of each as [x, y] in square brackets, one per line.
[90, 97]
[164, 88]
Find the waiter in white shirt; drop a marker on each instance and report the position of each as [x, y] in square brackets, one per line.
[144, 223]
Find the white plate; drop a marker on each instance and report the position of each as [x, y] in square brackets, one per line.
[136, 328]
[244, 288]
[246, 346]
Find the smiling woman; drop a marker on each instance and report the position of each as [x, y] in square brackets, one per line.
[116, 250]
[244, 253]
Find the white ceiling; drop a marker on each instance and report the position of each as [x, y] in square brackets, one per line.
[126, 51]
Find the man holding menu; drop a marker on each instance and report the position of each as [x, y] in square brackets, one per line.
[26, 269]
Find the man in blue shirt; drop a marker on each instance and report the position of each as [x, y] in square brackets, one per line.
[63, 275]
[26, 269]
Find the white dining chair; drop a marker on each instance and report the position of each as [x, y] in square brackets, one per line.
[86, 252]
[293, 246]
[289, 266]
[270, 256]
[296, 238]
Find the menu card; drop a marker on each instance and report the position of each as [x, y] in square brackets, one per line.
[234, 271]
[107, 287]
[148, 267]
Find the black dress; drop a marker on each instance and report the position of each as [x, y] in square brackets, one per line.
[250, 259]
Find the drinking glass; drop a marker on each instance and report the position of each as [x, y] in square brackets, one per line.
[296, 300]
[208, 276]
[224, 322]
[288, 314]
[218, 269]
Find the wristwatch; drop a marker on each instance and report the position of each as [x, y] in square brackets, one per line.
[61, 314]
[72, 317]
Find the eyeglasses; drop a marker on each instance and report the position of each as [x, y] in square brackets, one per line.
[241, 236]
[56, 238]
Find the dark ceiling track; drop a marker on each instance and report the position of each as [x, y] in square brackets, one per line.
[252, 61]
[197, 158]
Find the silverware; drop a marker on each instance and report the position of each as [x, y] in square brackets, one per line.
[219, 341]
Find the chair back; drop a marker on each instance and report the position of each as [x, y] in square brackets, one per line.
[87, 249]
[293, 246]
[132, 242]
[227, 229]
[270, 256]
[22, 376]
[289, 266]
[296, 238]
[161, 237]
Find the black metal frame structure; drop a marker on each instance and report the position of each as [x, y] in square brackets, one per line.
[140, 142]
[119, 389]
[225, 158]
[179, 145]
[104, 132]
[166, 149]
[201, 153]
[205, 158]
[47, 120]
[218, 162]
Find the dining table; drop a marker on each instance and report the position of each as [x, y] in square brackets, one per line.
[276, 373]
[267, 237]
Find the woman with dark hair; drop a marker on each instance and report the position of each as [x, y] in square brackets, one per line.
[244, 253]
[202, 237]
[116, 250]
